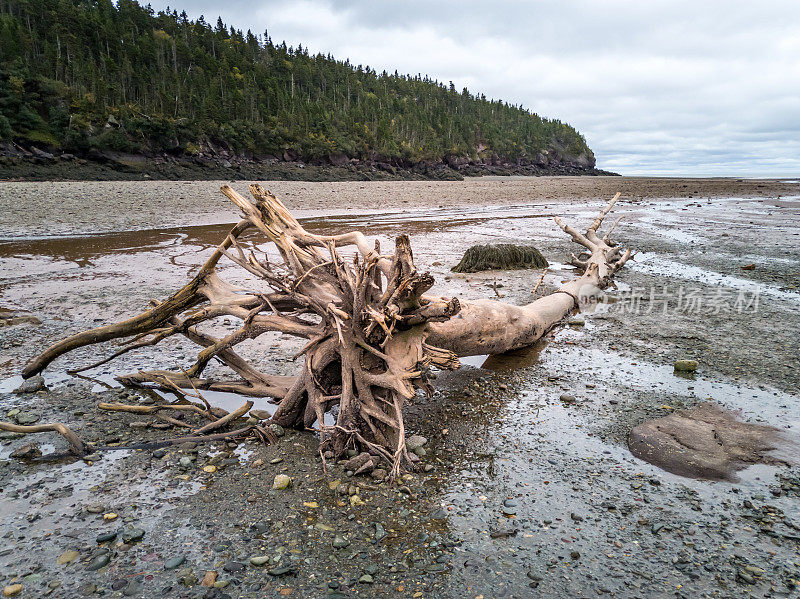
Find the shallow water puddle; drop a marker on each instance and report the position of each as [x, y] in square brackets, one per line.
[83, 248]
[656, 265]
[709, 442]
[51, 475]
[227, 401]
[51, 379]
[633, 372]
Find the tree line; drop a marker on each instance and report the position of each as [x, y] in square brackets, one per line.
[84, 74]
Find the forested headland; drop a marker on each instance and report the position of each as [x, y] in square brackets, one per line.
[117, 90]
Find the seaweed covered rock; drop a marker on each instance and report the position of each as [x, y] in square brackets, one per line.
[500, 256]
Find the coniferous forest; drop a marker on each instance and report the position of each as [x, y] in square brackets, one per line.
[88, 77]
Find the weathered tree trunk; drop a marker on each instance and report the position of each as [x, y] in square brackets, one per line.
[372, 333]
[492, 327]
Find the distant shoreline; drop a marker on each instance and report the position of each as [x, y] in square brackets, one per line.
[38, 165]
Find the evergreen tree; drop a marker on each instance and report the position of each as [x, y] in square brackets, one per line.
[81, 74]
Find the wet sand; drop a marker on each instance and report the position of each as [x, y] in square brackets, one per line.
[48, 208]
[527, 494]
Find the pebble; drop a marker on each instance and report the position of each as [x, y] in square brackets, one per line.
[233, 567]
[106, 537]
[415, 442]
[174, 562]
[281, 571]
[98, 562]
[435, 568]
[366, 579]
[30, 451]
[12, 589]
[259, 560]
[31, 385]
[133, 589]
[277, 429]
[132, 535]
[281, 482]
[118, 584]
[745, 577]
[685, 365]
[362, 460]
[67, 557]
[340, 542]
[188, 578]
[380, 531]
[567, 398]
[576, 321]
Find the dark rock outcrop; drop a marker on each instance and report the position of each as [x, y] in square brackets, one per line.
[709, 442]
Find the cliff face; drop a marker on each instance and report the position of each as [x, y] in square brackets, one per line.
[37, 164]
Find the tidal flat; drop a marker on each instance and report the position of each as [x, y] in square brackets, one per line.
[526, 485]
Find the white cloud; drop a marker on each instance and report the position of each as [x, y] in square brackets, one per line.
[657, 86]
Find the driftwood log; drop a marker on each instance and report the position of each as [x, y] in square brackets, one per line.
[372, 332]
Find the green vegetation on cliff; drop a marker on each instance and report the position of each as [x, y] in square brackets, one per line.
[88, 74]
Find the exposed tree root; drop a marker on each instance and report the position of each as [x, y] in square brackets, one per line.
[372, 335]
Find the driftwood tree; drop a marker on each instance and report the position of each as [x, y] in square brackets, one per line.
[372, 332]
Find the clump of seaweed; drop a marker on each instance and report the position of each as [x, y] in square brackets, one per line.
[500, 256]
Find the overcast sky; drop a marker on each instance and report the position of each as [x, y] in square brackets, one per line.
[700, 87]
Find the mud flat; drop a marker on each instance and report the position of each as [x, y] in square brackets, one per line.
[58, 208]
[528, 487]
